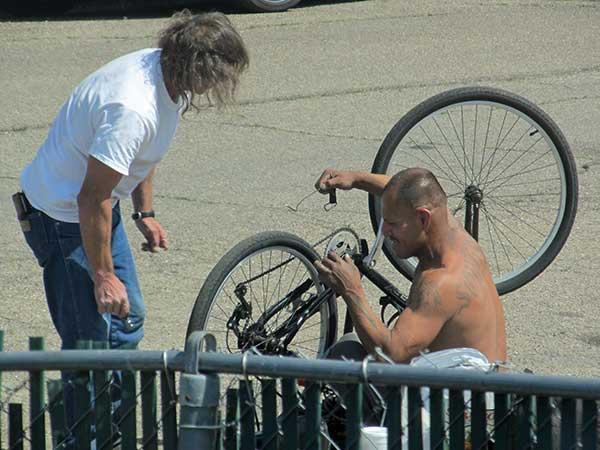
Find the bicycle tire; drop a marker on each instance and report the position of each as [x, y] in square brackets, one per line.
[261, 242]
[451, 105]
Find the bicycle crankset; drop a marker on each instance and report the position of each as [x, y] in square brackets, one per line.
[344, 241]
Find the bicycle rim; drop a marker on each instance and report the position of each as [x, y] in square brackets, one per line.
[510, 155]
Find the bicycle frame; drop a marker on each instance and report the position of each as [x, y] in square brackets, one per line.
[279, 338]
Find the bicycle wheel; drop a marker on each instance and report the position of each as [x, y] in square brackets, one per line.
[269, 265]
[499, 154]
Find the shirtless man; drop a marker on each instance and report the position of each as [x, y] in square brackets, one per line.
[452, 303]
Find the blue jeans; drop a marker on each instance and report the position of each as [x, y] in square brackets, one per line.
[69, 287]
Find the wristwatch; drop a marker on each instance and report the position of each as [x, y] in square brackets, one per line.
[142, 214]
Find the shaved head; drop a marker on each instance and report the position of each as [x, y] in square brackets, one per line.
[417, 187]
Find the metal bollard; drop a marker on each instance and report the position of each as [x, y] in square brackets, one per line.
[198, 398]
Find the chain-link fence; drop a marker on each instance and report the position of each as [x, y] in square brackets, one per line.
[291, 403]
[201, 400]
[99, 403]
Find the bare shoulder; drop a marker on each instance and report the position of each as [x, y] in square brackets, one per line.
[429, 290]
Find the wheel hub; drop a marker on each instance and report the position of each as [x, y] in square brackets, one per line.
[473, 194]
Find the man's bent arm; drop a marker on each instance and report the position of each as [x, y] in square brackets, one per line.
[370, 329]
[347, 179]
[142, 194]
[95, 215]
[415, 329]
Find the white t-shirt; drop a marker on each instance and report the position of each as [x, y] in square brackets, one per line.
[122, 115]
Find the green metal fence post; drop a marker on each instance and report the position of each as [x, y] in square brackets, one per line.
[56, 410]
[168, 409]
[415, 426]
[247, 412]
[478, 420]
[102, 404]
[15, 426]
[269, 414]
[148, 391]
[524, 423]
[36, 401]
[127, 411]
[231, 418]
[568, 434]
[544, 423]
[289, 422]
[393, 418]
[457, 420]
[353, 399]
[589, 425]
[83, 405]
[436, 419]
[502, 416]
[312, 396]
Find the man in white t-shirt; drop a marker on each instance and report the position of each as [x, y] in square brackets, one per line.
[103, 147]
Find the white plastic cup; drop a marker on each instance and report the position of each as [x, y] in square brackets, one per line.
[373, 438]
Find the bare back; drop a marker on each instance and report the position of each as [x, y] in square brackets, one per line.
[471, 310]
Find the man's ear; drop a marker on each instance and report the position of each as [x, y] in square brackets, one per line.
[424, 216]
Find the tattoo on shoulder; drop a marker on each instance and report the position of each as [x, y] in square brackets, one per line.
[424, 294]
[464, 295]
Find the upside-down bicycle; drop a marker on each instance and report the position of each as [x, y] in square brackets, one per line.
[510, 178]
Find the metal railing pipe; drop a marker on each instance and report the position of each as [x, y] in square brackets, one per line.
[401, 375]
[73, 360]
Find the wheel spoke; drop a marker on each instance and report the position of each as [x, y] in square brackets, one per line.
[492, 240]
[508, 228]
[521, 155]
[490, 162]
[268, 280]
[487, 133]
[297, 343]
[449, 177]
[289, 289]
[462, 144]
[518, 217]
[424, 163]
[506, 153]
[498, 233]
[451, 148]
[262, 282]
[523, 172]
[474, 143]
[530, 182]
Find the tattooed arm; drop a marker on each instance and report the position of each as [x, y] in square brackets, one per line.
[415, 329]
[421, 322]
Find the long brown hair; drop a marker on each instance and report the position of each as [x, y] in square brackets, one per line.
[202, 54]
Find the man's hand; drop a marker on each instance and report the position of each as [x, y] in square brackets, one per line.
[155, 234]
[340, 274]
[335, 179]
[111, 295]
